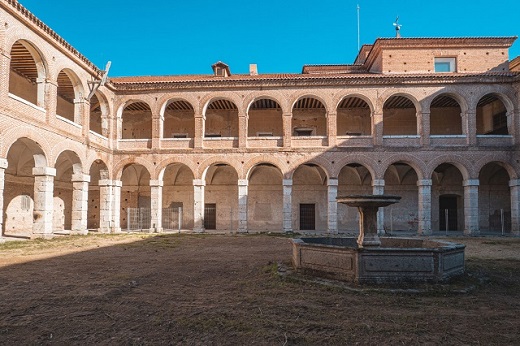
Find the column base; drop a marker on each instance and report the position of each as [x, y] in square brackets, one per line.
[199, 230]
[42, 236]
[156, 230]
[85, 232]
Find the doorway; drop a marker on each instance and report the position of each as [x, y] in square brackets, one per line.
[449, 203]
[307, 217]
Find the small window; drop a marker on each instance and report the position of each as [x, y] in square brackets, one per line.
[301, 132]
[213, 135]
[445, 65]
[180, 135]
[264, 134]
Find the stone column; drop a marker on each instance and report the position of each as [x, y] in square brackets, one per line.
[514, 188]
[156, 205]
[106, 203]
[79, 203]
[242, 205]
[43, 201]
[332, 212]
[332, 128]
[469, 127]
[287, 129]
[471, 212]
[423, 128]
[377, 129]
[425, 207]
[199, 132]
[156, 131]
[242, 130]
[3, 166]
[116, 206]
[378, 188]
[287, 205]
[198, 205]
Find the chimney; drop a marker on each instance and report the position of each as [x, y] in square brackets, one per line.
[253, 70]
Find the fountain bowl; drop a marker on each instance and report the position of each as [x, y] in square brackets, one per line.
[396, 260]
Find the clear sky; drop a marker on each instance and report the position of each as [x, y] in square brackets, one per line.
[171, 37]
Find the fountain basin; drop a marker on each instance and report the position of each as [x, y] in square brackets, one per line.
[395, 260]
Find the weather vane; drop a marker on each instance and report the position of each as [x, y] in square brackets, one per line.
[397, 28]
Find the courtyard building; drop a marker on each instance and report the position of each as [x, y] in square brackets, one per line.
[434, 120]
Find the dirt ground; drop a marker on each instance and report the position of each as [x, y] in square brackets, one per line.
[213, 290]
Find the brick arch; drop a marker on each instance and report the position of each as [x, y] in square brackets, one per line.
[161, 167]
[106, 109]
[206, 101]
[77, 164]
[12, 135]
[164, 101]
[361, 159]
[202, 169]
[464, 166]
[39, 155]
[504, 94]
[325, 165]
[93, 157]
[418, 166]
[453, 92]
[12, 37]
[387, 94]
[248, 167]
[340, 97]
[271, 95]
[129, 99]
[77, 82]
[120, 166]
[501, 161]
[315, 95]
[73, 147]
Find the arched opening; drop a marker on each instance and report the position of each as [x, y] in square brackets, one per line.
[137, 121]
[179, 120]
[491, 116]
[27, 73]
[265, 199]
[265, 119]
[65, 105]
[177, 197]
[221, 119]
[447, 198]
[353, 179]
[354, 117]
[494, 199]
[221, 198]
[309, 198]
[135, 198]
[22, 157]
[309, 118]
[98, 171]
[401, 179]
[67, 164]
[445, 116]
[96, 116]
[399, 117]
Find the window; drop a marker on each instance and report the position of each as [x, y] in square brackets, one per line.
[445, 65]
[180, 135]
[264, 134]
[303, 132]
[212, 135]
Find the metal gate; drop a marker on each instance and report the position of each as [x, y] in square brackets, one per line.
[138, 219]
[210, 216]
[172, 219]
[307, 217]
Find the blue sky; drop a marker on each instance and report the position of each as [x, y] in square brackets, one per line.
[171, 37]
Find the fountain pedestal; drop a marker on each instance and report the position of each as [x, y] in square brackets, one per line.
[367, 206]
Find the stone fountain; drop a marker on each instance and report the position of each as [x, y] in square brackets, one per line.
[371, 259]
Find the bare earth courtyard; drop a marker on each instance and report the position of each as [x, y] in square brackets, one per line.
[185, 289]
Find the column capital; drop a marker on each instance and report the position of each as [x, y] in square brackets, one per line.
[40, 171]
[514, 182]
[243, 182]
[471, 182]
[287, 182]
[3, 163]
[199, 182]
[156, 183]
[378, 182]
[424, 182]
[80, 178]
[332, 182]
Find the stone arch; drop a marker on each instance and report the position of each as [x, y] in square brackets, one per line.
[454, 93]
[136, 120]
[387, 94]
[204, 165]
[293, 100]
[177, 118]
[70, 90]
[72, 157]
[340, 97]
[362, 160]
[74, 147]
[99, 112]
[480, 164]
[494, 114]
[162, 165]
[272, 95]
[265, 118]
[410, 160]
[128, 100]
[354, 115]
[210, 98]
[41, 144]
[322, 163]
[93, 157]
[121, 165]
[400, 114]
[220, 116]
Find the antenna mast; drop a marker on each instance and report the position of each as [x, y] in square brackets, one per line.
[358, 46]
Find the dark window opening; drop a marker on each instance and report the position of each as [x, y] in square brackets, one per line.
[307, 217]
[210, 216]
